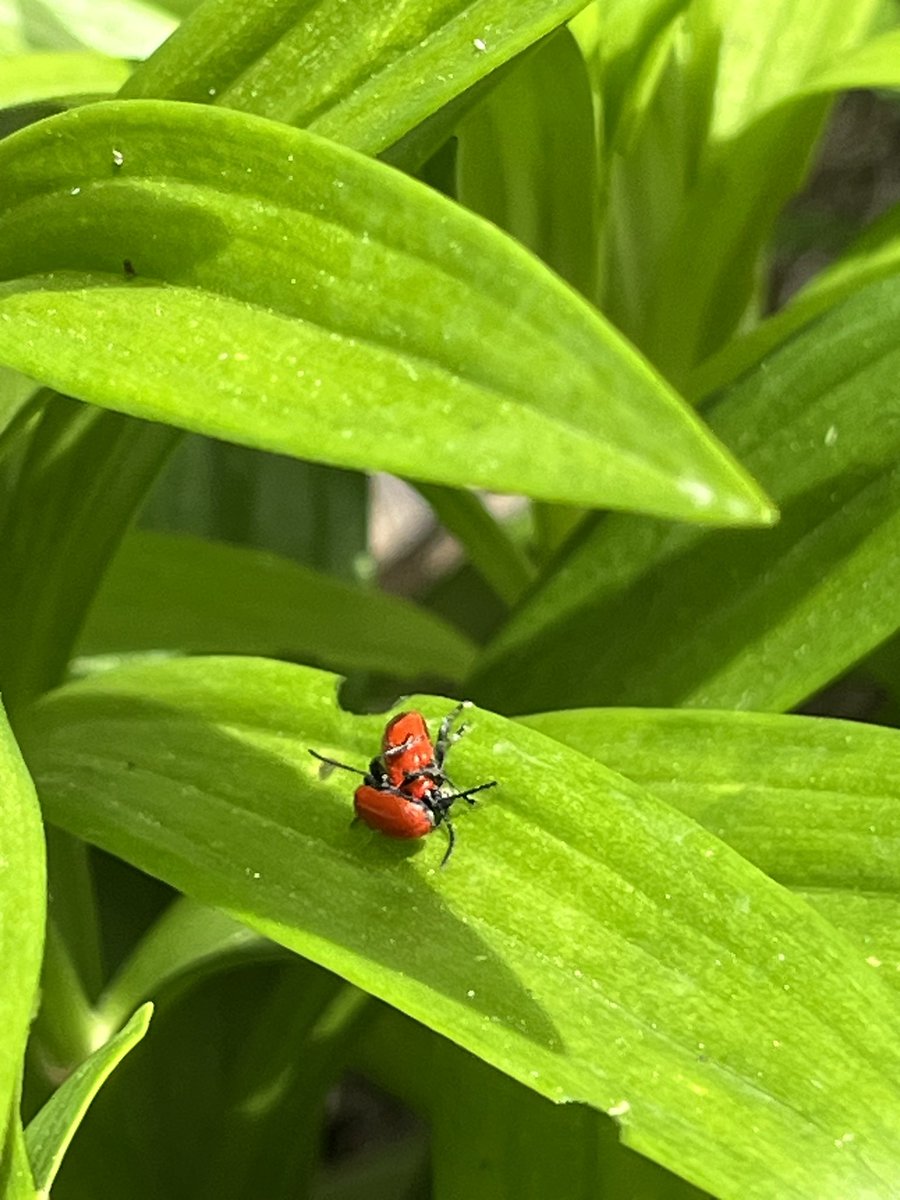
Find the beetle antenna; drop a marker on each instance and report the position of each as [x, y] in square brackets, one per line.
[469, 792]
[333, 762]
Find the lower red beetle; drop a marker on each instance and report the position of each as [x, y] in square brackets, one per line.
[406, 793]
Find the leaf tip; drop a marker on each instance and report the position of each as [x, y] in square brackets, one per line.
[746, 504]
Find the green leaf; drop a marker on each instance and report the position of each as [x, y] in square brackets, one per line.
[743, 620]
[29, 77]
[322, 305]
[527, 160]
[814, 803]
[363, 74]
[121, 28]
[312, 514]
[766, 63]
[724, 143]
[16, 1182]
[609, 951]
[169, 592]
[493, 553]
[186, 942]
[72, 465]
[49, 1134]
[22, 908]
[873, 64]
[874, 255]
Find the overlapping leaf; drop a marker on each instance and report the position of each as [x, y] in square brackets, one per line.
[608, 949]
[166, 592]
[30, 77]
[364, 74]
[642, 614]
[50, 1133]
[527, 160]
[718, 149]
[813, 803]
[322, 305]
[22, 906]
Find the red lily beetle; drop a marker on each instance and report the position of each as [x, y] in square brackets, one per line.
[406, 793]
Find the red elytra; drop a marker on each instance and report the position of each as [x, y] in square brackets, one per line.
[406, 749]
[392, 813]
[406, 792]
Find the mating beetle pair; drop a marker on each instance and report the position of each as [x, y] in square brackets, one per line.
[406, 793]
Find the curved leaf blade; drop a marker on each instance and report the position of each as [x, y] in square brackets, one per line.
[30, 77]
[22, 912]
[323, 305]
[186, 942]
[172, 592]
[874, 255]
[94, 468]
[610, 951]
[364, 74]
[527, 160]
[50, 1132]
[744, 620]
[814, 803]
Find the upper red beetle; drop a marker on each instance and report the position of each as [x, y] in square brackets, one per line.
[406, 793]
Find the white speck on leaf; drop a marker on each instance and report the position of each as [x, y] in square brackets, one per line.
[619, 1109]
[480, 45]
[118, 157]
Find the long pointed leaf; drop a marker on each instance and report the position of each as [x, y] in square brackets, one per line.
[22, 908]
[642, 614]
[323, 305]
[364, 74]
[166, 592]
[586, 939]
[814, 803]
[50, 1133]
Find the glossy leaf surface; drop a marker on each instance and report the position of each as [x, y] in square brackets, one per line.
[814, 803]
[639, 613]
[387, 322]
[22, 909]
[364, 74]
[610, 951]
[169, 592]
[50, 1132]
